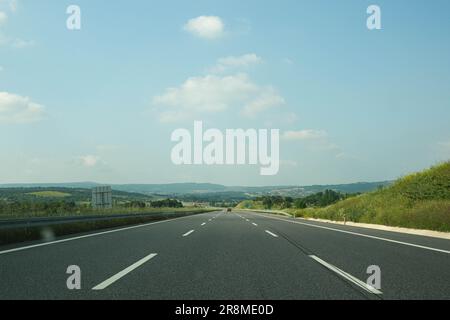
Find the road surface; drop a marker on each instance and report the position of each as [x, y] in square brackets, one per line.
[223, 256]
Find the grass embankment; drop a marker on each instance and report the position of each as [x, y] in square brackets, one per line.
[251, 205]
[419, 201]
[50, 232]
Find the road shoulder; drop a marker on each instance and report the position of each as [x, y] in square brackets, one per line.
[418, 232]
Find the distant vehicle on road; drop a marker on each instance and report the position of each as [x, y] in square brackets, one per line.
[229, 210]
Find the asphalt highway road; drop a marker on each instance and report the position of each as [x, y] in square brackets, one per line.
[229, 256]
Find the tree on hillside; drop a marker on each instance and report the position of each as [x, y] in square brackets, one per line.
[267, 202]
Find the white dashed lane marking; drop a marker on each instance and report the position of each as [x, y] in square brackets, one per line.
[272, 234]
[123, 273]
[188, 233]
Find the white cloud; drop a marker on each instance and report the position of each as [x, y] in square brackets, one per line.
[107, 148]
[208, 94]
[266, 100]
[445, 145]
[232, 62]
[316, 140]
[289, 163]
[346, 156]
[89, 160]
[15, 109]
[206, 27]
[10, 4]
[308, 134]
[444, 148]
[171, 116]
[216, 92]
[289, 117]
[20, 43]
[5, 39]
[5, 5]
[212, 94]
[281, 119]
[13, 4]
[3, 18]
[15, 43]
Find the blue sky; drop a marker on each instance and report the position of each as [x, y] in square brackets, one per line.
[99, 104]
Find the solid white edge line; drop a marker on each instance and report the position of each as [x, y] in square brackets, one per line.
[87, 236]
[123, 273]
[360, 235]
[347, 276]
[188, 233]
[272, 234]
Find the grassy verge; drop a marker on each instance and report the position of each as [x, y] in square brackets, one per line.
[385, 210]
[48, 233]
[274, 212]
[417, 201]
[251, 205]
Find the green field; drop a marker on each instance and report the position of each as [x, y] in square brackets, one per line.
[16, 203]
[50, 194]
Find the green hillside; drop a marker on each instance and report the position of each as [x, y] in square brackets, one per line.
[420, 200]
[57, 201]
[50, 194]
[208, 191]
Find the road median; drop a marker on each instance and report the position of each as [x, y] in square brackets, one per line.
[48, 229]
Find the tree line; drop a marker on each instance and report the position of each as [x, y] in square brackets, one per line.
[64, 207]
[167, 203]
[50, 208]
[320, 199]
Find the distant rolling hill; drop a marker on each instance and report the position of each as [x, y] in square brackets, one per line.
[48, 194]
[81, 185]
[208, 188]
